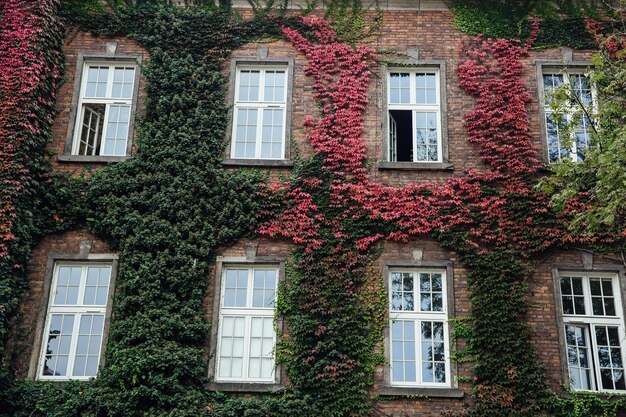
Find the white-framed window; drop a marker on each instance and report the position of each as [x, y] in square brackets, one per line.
[594, 331]
[582, 94]
[74, 326]
[260, 112]
[414, 115]
[419, 338]
[104, 109]
[246, 335]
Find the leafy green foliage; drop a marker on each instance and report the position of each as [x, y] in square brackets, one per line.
[562, 22]
[167, 210]
[592, 191]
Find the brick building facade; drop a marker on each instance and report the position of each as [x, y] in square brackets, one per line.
[416, 36]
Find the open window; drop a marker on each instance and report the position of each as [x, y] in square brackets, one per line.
[105, 109]
[414, 116]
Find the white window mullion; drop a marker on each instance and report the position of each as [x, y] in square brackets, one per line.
[418, 347]
[439, 135]
[259, 131]
[414, 132]
[587, 293]
[109, 88]
[595, 355]
[246, 347]
[283, 130]
[105, 124]
[446, 350]
[72, 355]
[261, 115]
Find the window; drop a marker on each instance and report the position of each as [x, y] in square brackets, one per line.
[104, 110]
[414, 116]
[260, 113]
[594, 331]
[246, 336]
[582, 94]
[74, 327]
[419, 351]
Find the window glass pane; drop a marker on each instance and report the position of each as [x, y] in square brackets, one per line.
[425, 90]
[264, 288]
[232, 347]
[554, 127]
[433, 352]
[97, 78]
[578, 357]
[117, 130]
[403, 297]
[550, 83]
[582, 134]
[249, 85]
[399, 88]
[426, 134]
[58, 344]
[88, 345]
[245, 133]
[582, 88]
[274, 86]
[602, 304]
[91, 128]
[97, 286]
[123, 80]
[403, 353]
[261, 347]
[236, 288]
[608, 349]
[66, 292]
[272, 134]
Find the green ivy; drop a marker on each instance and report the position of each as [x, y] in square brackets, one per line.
[167, 210]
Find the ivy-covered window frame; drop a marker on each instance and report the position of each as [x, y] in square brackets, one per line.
[84, 59]
[260, 61]
[413, 65]
[566, 67]
[450, 388]
[83, 258]
[616, 273]
[221, 265]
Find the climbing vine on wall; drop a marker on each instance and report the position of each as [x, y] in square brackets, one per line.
[30, 72]
[167, 210]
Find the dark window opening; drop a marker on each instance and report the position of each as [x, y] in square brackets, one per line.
[401, 135]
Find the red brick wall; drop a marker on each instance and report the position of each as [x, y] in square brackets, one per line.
[85, 43]
[22, 339]
[433, 35]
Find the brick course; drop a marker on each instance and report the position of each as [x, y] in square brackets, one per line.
[433, 35]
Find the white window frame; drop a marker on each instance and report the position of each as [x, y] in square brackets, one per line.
[261, 106]
[247, 313]
[107, 101]
[77, 310]
[570, 110]
[589, 321]
[418, 317]
[414, 108]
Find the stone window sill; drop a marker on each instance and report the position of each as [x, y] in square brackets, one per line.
[286, 163]
[89, 158]
[415, 166]
[244, 387]
[425, 392]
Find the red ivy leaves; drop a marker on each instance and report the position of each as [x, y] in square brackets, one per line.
[497, 208]
[24, 112]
